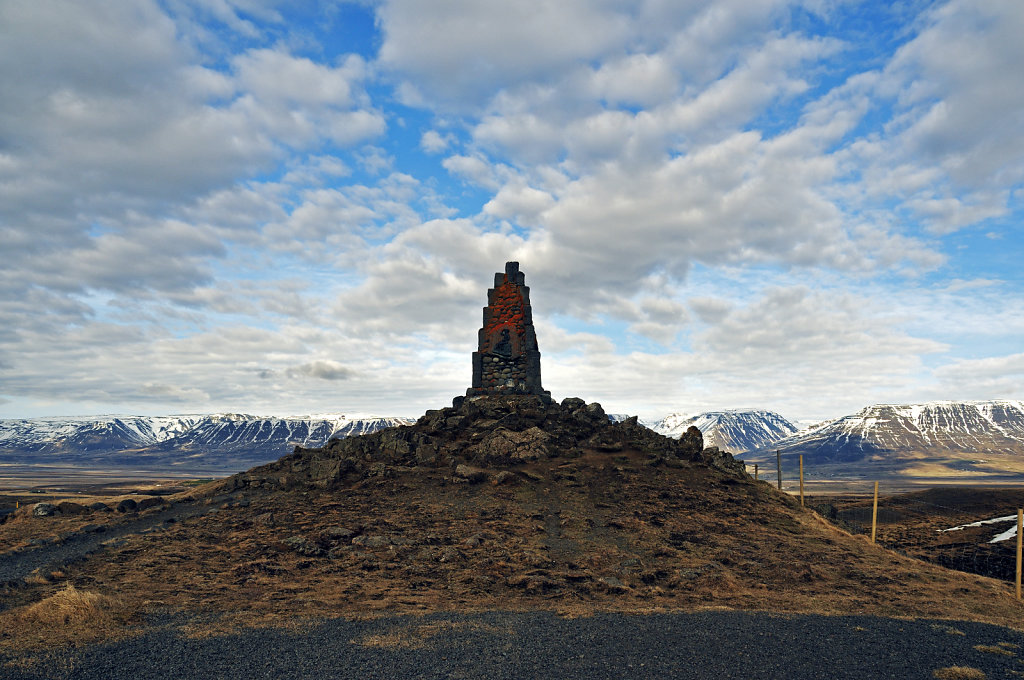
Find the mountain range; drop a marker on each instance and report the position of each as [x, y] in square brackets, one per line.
[736, 431]
[889, 431]
[960, 437]
[222, 442]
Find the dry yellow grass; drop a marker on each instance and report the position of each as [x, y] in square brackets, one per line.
[418, 637]
[71, 606]
[67, 616]
[959, 673]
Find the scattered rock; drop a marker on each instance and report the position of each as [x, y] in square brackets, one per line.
[471, 474]
[69, 508]
[692, 439]
[614, 584]
[303, 546]
[150, 502]
[508, 447]
[99, 506]
[127, 505]
[372, 541]
[504, 477]
[44, 510]
[486, 432]
[338, 533]
[339, 551]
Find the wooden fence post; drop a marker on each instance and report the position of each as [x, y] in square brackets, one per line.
[778, 467]
[801, 480]
[755, 472]
[874, 514]
[1020, 521]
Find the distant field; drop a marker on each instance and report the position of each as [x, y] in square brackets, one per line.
[15, 477]
[826, 480]
[894, 476]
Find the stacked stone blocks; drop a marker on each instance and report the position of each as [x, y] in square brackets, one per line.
[507, 360]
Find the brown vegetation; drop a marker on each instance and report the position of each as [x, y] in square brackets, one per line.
[959, 673]
[67, 616]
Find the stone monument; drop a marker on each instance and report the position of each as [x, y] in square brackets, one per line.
[507, 360]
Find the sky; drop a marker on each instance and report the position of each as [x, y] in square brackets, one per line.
[806, 206]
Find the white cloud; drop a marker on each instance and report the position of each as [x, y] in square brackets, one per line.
[714, 205]
[463, 51]
[323, 369]
[955, 132]
[433, 142]
[986, 378]
[473, 169]
[519, 202]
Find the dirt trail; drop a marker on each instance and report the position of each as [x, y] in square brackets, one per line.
[16, 565]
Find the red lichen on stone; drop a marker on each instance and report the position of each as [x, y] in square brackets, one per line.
[506, 312]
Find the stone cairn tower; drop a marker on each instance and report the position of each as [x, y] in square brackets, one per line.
[507, 360]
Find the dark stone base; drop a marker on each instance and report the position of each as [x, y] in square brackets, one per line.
[502, 390]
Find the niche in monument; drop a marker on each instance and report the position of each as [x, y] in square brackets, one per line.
[507, 360]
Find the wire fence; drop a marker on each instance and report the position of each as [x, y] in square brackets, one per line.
[967, 528]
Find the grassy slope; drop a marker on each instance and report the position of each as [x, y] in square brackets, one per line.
[599, 532]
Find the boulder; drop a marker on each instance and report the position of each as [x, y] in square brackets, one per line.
[507, 447]
[372, 541]
[127, 505]
[504, 477]
[44, 510]
[150, 502]
[573, 403]
[471, 474]
[303, 546]
[70, 508]
[692, 441]
[338, 533]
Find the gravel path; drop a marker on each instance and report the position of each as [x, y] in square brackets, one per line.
[497, 645]
[15, 565]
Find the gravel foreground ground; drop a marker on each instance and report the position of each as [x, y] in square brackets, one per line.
[495, 645]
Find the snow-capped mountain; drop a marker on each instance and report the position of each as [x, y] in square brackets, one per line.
[97, 433]
[734, 430]
[221, 440]
[934, 428]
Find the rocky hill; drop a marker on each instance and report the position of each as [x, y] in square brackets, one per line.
[737, 430]
[892, 432]
[503, 502]
[483, 438]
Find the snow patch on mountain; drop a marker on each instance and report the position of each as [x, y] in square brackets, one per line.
[736, 430]
[938, 427]
[206, 436]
